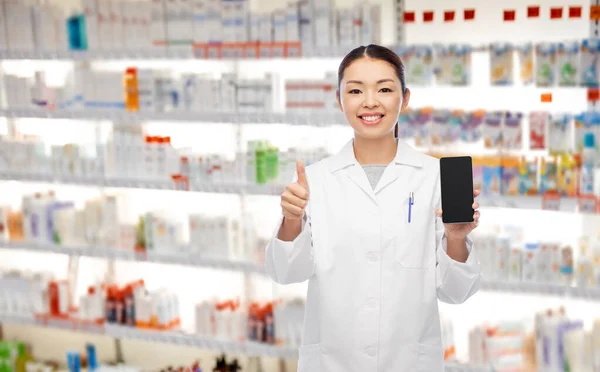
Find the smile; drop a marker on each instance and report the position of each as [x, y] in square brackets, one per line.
[371, 119]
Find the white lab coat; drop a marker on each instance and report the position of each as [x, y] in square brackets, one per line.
[374, 278]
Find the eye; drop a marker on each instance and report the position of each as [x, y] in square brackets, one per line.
[354, 91]
[386, 90]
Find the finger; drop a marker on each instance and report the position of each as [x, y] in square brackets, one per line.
[298, 190]
[475, 205]
[476, 193]
[438, 212]
[476, 216]
[292, 209]
[301, 170]
[294, 200]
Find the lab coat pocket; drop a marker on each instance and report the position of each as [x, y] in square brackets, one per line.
[431, 358]
[309, 358]
[415, 238]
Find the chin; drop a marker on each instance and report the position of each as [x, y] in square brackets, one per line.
[375, 132]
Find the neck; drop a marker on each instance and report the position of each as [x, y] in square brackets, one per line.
[375, 151]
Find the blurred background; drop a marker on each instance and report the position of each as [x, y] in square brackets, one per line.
[144, 145]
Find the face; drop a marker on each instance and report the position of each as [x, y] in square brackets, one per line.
[370, 96]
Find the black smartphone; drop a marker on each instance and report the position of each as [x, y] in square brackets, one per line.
[456, 178]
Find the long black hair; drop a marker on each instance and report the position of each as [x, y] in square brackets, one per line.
[378, 52]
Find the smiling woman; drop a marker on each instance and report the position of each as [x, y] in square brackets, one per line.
[372, 91]
[361, 227]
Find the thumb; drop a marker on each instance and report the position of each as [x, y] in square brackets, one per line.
[301, 170]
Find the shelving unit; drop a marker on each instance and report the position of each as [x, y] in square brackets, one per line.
[112, 253]
[163, 54]
[221, 188]
[316, 118]
[241, 119]
[514, 202]
[182, 339]
[166, 337]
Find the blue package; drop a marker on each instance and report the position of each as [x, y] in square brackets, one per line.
[590, 48]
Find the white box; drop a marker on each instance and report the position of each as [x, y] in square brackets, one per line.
[90, 9]
[292, 23]
[214, 20]
[241, 17]
[46, 28]
[129, 20]
[254, 27]
[266, 28]
[20, 28]
[376, 24]
[306, 23]
[105, 34]
[179, 21]
[60, 21]
[279, 25]
[200, 21]
[323, 23]
[344, 27]
[185, 22]
[145, 25]
[228, 20]
[116, 24]
[158, 28]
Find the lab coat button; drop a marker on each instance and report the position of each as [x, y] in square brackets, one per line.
[371, 351]
[373, 256]
[372, 303]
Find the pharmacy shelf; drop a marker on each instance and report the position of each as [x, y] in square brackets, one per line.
[529, 202]
[184, 339]
[206, 187]
[110, 253]
[517, 202]
[164, 54]
[310, 118]
[542, 289]
[165, 337]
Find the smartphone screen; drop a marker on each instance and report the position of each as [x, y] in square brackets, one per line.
[456, 177]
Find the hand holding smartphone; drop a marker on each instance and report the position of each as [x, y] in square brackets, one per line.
[456, 178]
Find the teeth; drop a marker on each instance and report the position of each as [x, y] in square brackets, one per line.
[371, 118]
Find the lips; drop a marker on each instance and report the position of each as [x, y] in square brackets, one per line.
[371, 118]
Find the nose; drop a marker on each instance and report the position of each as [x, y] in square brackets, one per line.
[370, 101]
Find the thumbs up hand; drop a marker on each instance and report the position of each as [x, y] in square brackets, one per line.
[295, 197]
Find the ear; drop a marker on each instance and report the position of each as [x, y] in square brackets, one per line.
[405, 100]
[338, 99]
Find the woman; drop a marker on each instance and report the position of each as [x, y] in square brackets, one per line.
[374, 277]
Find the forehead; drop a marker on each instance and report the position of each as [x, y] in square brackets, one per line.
[370, 70]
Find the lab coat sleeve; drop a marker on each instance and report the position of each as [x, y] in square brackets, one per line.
[456, 281]
[291, 262]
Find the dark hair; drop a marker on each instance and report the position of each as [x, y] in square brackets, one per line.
[375, 52]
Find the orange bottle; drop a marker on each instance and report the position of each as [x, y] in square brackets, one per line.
[131, 90]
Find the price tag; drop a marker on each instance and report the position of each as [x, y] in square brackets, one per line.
[551, 202]
[265, 50]
[294, 50]
[595, 12]
[278, 50]
[213, 51]
[251, 51]
[200, 51]
[588, 204]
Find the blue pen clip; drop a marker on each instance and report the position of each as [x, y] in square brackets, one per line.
[411, 201]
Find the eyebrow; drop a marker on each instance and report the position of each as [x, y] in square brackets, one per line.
[378, 81]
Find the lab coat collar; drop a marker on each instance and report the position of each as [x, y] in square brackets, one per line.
[405, 155]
